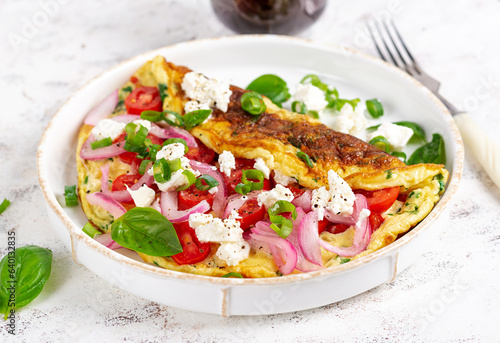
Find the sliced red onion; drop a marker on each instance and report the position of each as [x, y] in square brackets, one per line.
[308, 237]
[255, 244]
[102, 110]
[156, 205]
[174, 132]
[284, 254]
[339, 219]
[122, 196]
[107, 203]
[361, 235]
[264, 228]
[235, 201]
[221, 194]
[303, 201]
[169, 208]
[87, 153]
[107, 241]
[302, 263]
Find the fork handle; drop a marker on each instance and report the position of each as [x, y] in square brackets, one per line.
[481, 145]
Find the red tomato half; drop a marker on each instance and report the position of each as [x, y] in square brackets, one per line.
[192, 250]
[380, 201]
[192, 197]
[201, 154]
[250, 213]
[143, 99]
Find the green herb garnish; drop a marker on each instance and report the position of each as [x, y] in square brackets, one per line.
[90, 230]
[374, 108]
[233, 274]
[305, 157]
[210, 182]
[4, 205]
[195, 118]
[281, 225]
[432, 152]
[271, 86]
[70, 196]
[253, 103]
[381, 143]
[101, 143]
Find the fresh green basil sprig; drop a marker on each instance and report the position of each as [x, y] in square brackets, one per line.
[272, 86]
[432, 152]
[147, 231]
[24, 271]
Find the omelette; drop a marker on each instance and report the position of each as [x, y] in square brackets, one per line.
[276, 136]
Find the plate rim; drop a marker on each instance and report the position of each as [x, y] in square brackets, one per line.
[75, 232]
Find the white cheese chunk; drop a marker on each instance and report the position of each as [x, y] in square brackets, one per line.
[352, 122]
[282, 178]
[363, 214]
[269, 198]
[171, 152]
[108, 128]
[261, 165]
[339, 198]
[311, 96]
[210, 229]
[194, 105]
[397, 135]
[207, 92]
[227, 162]
[178, 179]
[233, 253]
[143, 197]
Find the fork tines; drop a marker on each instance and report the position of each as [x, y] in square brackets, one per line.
[385, 35]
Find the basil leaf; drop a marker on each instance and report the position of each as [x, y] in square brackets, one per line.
[233, 274]
[418, 132]
[26, 270]
[146, 230]
[271, 86]
[432, 152]
[194, 118]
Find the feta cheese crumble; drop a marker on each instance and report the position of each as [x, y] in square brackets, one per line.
[363, 214]
[397, 135]
[143, 197]
[283, 179]
[352, 122]
[108, 128]
[311, 96]
[145, 123]
[207, 92]
[171, 152]
[227, 162]
[233, 248]
[261, 165]
[339, 199]
[268, 198]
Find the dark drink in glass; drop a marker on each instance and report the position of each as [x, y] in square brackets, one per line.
[268, 16]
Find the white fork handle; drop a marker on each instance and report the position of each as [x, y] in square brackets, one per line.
[482, 147]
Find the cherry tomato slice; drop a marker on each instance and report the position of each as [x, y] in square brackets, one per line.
[375, 220]
[143, 99]
[338, 228]
[323, 225]
[380, 201]
[192, 250]
[201, 154]
[192, 197]
[250, 213]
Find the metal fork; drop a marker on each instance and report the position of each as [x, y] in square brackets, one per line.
[392, 48]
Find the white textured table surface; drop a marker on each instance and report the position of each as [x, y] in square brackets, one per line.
[451, 293]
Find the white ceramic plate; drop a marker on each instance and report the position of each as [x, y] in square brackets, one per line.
[240, 59]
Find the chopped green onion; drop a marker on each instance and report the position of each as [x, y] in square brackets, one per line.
[313, 114]
[155, 116]
[191, 179]
[153, 150]
[299, 107]
[342, 102]
[399, 155]
[143, 166]
[375, 108]
[281, 225]
[381, 143]
[305, 157]
[253, 103]
[133, 137]
[243, 189]
[210, 182]
[176, 116]
[152, 116]
[163, 169]
[134, 148]
[70, 195]
[315, 81]
[344, 260]
[102, 143]
[4, 205]
[194, 118]
[253, 174]
[233, 274]
[176, 140]
[90, 230]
